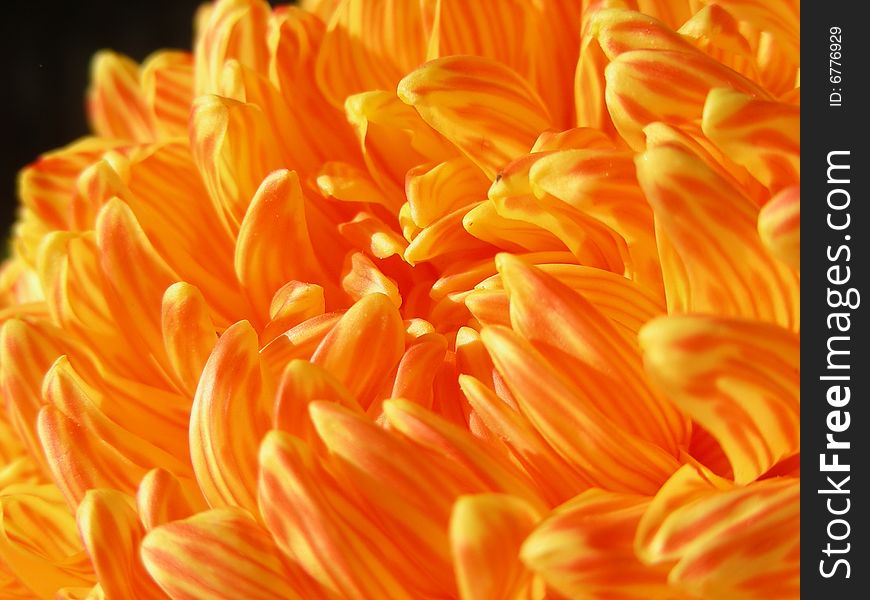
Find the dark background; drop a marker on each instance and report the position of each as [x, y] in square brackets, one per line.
[46, 51]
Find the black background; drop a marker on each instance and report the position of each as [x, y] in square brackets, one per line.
[46, 51]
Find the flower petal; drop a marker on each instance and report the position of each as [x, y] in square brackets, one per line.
[221, 554]
[728, 541]
[368, 45]
[644, 86]
[761, 135]
[486, 532]
[111, 533]
[480, 105]
[371, 328]
[556, 318]
[779, 225]
[740, 380]
[161, 499]
[712, 258]
[116, 104]
[567, 418]
[228, 418]
[585, 549]
[189, 335]
[313, 525]
[275, 218]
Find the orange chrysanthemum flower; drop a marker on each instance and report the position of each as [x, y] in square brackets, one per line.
[415, 299]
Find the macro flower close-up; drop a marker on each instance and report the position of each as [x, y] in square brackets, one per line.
[415, 300]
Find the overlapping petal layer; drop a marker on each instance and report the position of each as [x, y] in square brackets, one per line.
[415, 299]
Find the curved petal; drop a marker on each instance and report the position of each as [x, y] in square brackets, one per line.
[221, 554]
[111, 533]
[712, 258]
[486, 532]
[779, 225]
[229, 416]
[480, 105]
[740, 380]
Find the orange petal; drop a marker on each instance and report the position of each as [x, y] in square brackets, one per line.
[139, 292]
[301, 384]
[324, 534]
[363, 348]
[188, 333]
[761, 135]
[292, 304]
[116, 104]
[373, 236]
[418, 367]
[161, 499]
[602, 184]
[568, 419]
[486, 532]
[712, 258]
[275, 217]
[728, 542]
[368, 45]
[738, 379]
[556, 479]
[779, 225]
[422, 486]
[167, 86]
[585, 549]
[221, 554]
[423, 427]
[39, 542]
[781, 19]
[363, 277]
[436, 191]
[644, 86]
[227, 142]
[556, 318]
[228, 418]
[26, 353]
[480, 105]
[113, 456]
[231, 29]
[111, 533]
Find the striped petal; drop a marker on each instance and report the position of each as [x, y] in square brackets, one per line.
[116, 103]
[227, 142]
[275, 217]
[481, 106]
[301, 384]
[111, 533]
[739, 380]
[371, 328]
[221, 554]
[486, 532]
[228, 418]
[727, 542]
[167, 86]
[761, 135]
[189, 335]
[712, 258]
[779, 225]
[423, 427]
[39, 543]
[315, 526]
[554, 476]
[644, 86]
[585, 549]
[567, 418]
[368, 45]
[230, 30]
[555, 318]
[161, 499]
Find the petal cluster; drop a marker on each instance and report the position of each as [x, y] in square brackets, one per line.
[403, 299]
